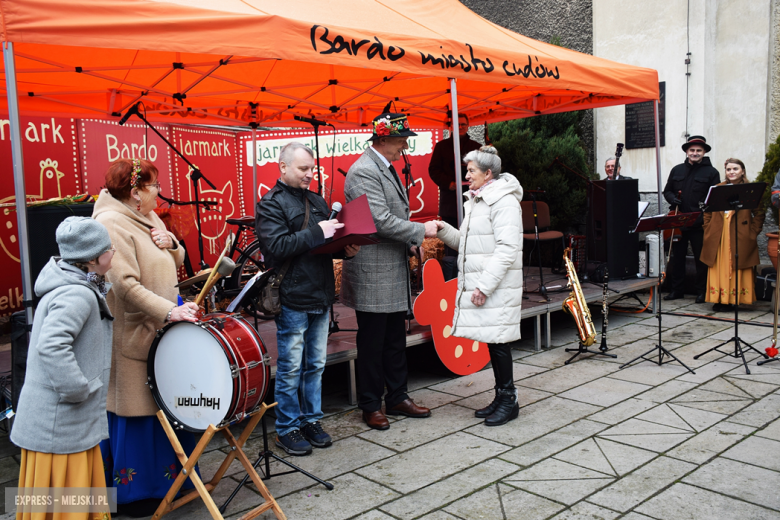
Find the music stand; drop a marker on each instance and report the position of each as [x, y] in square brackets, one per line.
[658, 224]
[734, 197]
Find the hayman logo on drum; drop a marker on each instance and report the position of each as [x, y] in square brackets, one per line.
[206, 402]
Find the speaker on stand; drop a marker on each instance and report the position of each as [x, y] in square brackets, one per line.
[613, 215]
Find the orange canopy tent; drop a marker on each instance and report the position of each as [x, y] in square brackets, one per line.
[242, 62]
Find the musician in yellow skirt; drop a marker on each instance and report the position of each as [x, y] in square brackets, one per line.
[719, 248]
[61, 415]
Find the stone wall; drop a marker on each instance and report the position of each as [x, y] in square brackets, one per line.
[774, 76]
[571, 21]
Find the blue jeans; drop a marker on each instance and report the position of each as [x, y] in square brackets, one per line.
[302, 341]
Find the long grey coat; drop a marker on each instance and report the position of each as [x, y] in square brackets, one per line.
[377, 279]
[62, 406]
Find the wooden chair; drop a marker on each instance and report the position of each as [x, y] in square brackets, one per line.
[536, 224]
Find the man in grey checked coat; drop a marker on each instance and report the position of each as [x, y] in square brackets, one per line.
[376, 281]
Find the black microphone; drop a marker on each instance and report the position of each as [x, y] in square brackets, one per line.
[132, 110]
[311, 121]
[335, 210]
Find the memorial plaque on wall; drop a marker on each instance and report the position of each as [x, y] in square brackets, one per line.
[640, 122]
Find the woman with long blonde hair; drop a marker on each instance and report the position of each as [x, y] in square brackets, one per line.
[720, 244]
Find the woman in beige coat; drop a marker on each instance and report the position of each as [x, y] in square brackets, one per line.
[490, 272]
[138, 457]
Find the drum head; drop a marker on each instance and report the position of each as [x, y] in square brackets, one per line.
[192, 375]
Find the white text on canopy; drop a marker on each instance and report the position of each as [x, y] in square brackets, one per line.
[346, 144]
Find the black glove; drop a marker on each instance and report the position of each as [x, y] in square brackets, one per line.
[676, 202]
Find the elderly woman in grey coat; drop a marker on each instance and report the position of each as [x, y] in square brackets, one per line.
[490, 272]
[61, 416]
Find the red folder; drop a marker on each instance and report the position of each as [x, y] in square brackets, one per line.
[358, 225]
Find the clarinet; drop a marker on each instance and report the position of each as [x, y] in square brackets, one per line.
[605, 312]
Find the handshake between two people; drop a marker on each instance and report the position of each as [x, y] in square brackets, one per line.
[329, 227]
[432, 228]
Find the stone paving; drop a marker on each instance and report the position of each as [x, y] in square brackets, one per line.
[592, 441]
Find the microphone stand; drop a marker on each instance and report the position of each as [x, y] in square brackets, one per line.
[316, 123]
[194, 177]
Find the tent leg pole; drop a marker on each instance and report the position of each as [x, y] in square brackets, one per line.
[455, 134]
[254, 167]
[19, 188]
[657, 153]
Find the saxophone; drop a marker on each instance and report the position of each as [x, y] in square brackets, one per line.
[576, 306]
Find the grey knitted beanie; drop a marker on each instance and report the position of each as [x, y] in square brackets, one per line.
[82, 239]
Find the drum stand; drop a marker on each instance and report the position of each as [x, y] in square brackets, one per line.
[204, 490]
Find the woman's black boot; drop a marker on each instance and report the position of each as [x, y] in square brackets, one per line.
[507, 408]
[489, 409]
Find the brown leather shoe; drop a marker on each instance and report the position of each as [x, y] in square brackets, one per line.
[376, 420]
[409, 409]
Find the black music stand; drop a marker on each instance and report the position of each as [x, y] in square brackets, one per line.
[734, 197]
[658, 224]
[266, 454]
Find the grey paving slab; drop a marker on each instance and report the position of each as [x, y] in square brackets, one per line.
[352, 495]
[758, 451]
[536, 420]
[410, 432]
[605, 391]
[560, 481]
[569, 376]
[647, 435]
[342, 457]
[374, 515]
[686, 353]
[663, 414]
[630, 352]
[759, 413]
[752, 335]
[554, 442]
[690, 332]
[498, 502]
[246, 499]
[605, 456]
[752, 484]
[706, 372]
[555, 357]
[685, 502]
[709, 443]
[482, 381]
[622, 411]
[722, 407]
[343, 425]
[630, 334]
[666, 391]
[450, 489]
[438, 515]
[725, 386]
[643, 483]
[431, 462]
[431, 398]
[754, 388]
[648, 373]
[211, 461]
[772, 431]
[636, 516]
[525, 396]
[586, 511]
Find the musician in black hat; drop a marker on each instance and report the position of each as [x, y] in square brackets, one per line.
[687, 186]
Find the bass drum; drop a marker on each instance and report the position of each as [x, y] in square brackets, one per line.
[215, 371]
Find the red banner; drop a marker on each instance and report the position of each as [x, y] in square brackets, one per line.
[51, 169]
[339, 153]
[214, 153]
[103, 142]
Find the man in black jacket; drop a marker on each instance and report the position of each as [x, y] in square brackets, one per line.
[687, 186]
[290, 221]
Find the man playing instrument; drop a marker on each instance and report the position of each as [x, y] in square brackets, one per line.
[376, 282]
[687, 186]
[609, 169]
[291, 220]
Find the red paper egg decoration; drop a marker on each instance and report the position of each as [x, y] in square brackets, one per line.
[435, 306]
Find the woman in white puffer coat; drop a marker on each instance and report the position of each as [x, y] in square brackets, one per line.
[490, 272]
